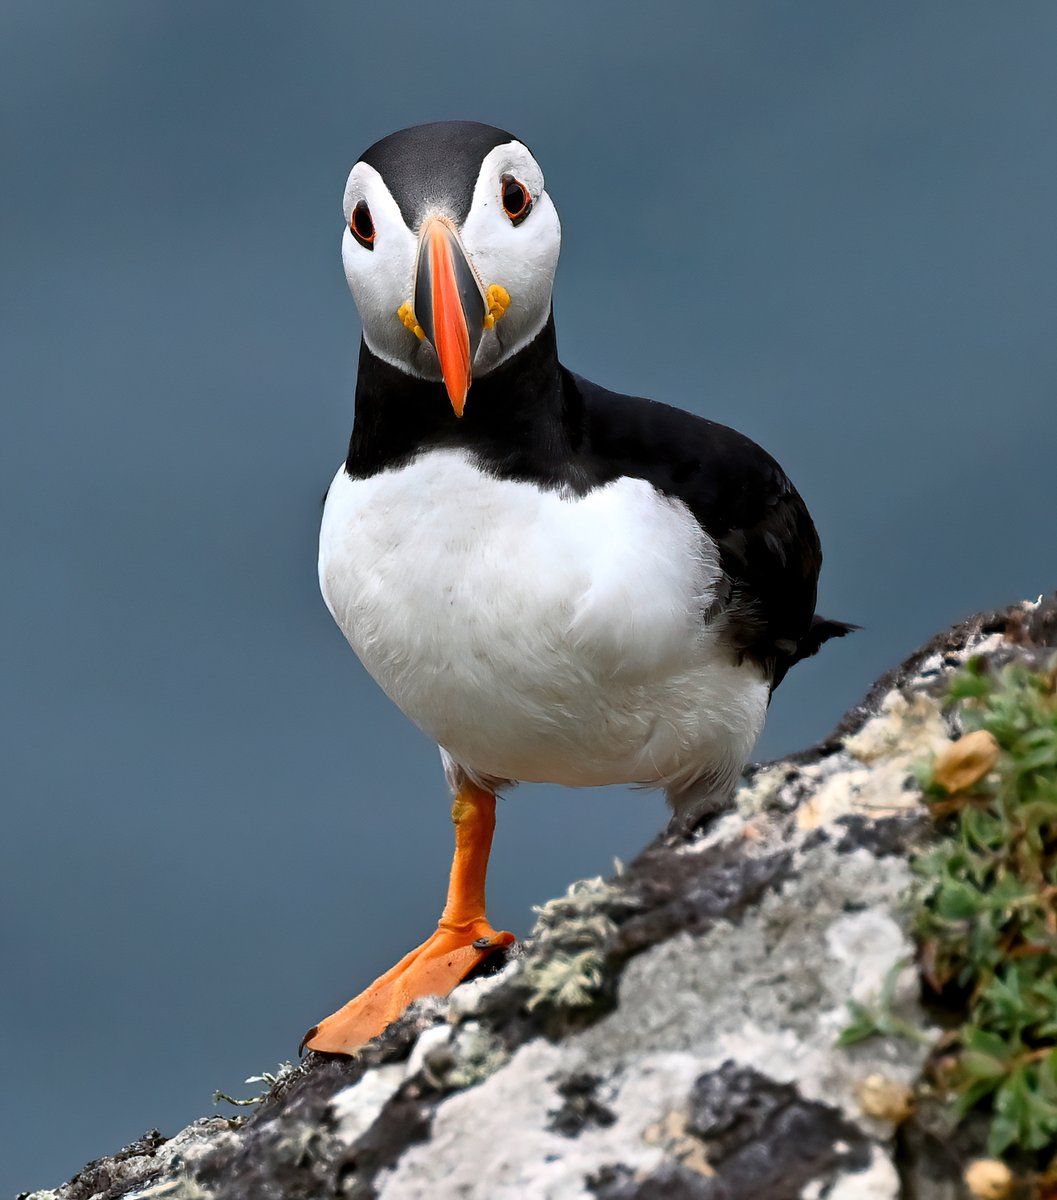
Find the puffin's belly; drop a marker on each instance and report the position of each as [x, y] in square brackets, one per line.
[535, 636]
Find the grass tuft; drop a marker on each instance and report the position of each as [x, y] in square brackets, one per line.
[987, 922]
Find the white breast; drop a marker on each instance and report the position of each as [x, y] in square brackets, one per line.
[539, 636]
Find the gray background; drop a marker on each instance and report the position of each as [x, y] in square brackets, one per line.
[830, 225]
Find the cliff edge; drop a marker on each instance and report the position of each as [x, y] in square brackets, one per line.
[739, 1014]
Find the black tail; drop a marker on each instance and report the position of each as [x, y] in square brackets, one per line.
[821, 630]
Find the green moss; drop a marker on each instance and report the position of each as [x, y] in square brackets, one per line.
[881, 1019]
[987, 923]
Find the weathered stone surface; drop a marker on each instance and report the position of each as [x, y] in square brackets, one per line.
[666, 1033]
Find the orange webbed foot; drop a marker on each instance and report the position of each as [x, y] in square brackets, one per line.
[432, 969]
[464, 939]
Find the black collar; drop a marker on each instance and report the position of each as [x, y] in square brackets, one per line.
[523, 420]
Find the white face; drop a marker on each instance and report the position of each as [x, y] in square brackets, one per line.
[519, 257]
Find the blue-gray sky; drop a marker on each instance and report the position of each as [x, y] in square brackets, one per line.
[830, 225]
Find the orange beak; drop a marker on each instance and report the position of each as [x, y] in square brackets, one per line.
[449, 305]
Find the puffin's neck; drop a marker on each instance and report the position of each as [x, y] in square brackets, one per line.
[523, 420]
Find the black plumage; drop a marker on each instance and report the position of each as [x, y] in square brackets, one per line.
[434, 165]
[532, 419]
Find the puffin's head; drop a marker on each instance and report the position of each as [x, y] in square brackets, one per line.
[450, 247]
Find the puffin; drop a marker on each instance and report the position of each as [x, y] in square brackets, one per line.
[556, 582]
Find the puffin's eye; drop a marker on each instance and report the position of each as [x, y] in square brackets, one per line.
[362, 225]
[517, 203]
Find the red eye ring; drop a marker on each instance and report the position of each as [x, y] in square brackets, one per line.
[517, 203]
[361, 225]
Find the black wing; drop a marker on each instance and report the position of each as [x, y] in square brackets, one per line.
[768, 546]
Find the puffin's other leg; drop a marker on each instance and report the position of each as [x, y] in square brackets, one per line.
[463, 939]
[698, 802]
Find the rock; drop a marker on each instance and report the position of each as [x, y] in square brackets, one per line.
[670, 1032]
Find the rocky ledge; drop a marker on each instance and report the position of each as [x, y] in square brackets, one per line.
[670, 1032]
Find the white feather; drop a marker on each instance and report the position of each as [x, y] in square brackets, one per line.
[536, 635]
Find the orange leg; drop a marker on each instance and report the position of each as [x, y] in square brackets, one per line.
[463, 939]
